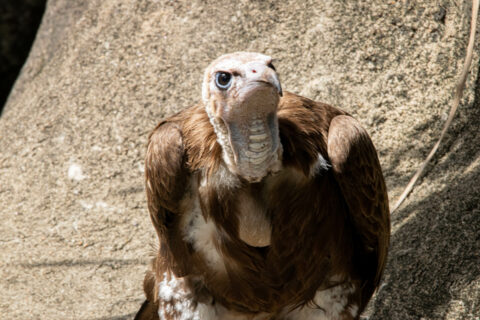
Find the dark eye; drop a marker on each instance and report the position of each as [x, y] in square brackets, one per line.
[270, 65]
[223, 80]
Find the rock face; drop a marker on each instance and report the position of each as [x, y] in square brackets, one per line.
[75, 236]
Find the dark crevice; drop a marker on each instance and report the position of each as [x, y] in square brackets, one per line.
[19, 22]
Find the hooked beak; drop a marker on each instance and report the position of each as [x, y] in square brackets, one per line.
[269, 76]
[252, 124]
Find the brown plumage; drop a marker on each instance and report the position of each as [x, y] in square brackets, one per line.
[307, 240]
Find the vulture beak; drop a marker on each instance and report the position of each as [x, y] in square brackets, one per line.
[252, 124]
[270, 76]
[264, 74]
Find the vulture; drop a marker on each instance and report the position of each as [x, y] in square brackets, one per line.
[267, 205]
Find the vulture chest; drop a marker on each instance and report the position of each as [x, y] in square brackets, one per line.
[268, 244]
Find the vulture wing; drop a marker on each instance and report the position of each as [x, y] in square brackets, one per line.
[358, 172]
[166, 178]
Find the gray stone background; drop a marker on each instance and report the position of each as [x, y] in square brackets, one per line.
[75, 237]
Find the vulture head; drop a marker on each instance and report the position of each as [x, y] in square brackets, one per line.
[241, 92]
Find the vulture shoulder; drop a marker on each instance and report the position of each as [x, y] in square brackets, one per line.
[165, 173]
[178, 146]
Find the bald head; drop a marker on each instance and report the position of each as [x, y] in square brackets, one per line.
[241, 92]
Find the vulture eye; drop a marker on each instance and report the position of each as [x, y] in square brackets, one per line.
[223, 80]
[270, 65]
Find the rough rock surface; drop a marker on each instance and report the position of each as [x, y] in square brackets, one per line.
[75, 236]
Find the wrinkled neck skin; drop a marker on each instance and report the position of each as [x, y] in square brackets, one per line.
[247, 130]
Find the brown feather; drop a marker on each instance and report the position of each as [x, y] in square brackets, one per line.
[357, 169]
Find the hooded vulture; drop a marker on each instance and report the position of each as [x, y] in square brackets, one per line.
[267, 205]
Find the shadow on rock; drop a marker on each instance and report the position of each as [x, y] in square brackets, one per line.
[434, 263]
